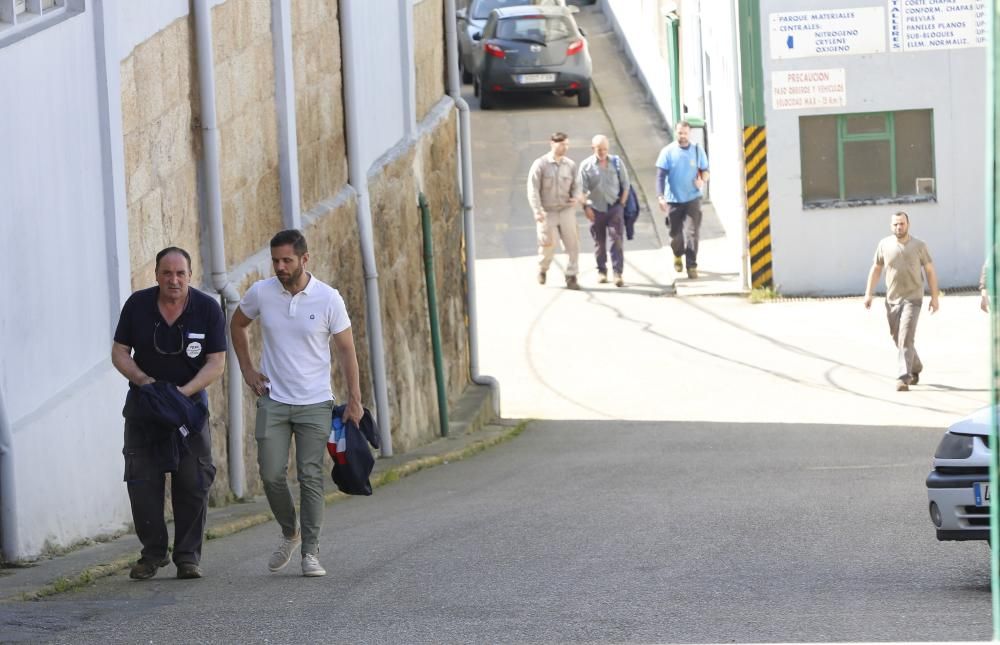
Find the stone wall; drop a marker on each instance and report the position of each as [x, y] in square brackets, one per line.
[248, 125]
[399, 254]
[439, 165]
[319, 104]
[428, 45]
[162, 143]
[159, 101]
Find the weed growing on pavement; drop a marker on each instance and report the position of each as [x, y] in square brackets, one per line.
[764, 294]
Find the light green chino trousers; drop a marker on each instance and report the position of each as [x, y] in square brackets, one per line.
[277, 424]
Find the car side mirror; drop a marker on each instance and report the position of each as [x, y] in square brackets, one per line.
[461, 14]
[477, 36]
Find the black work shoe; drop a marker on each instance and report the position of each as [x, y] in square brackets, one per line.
[571, 283]
[902, 385]
[914, 378]
[145, 569]
[188, 571]
[541, 277]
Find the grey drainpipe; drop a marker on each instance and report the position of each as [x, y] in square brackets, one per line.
[465, 159]
[10, 542]
[358, 177]
[220, 277]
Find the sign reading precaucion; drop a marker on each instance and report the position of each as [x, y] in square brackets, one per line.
[808, 88]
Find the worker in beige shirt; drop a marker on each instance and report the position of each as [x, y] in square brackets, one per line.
[553, 193]
[903, 256]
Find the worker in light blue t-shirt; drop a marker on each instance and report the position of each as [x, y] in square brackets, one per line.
[681, 173]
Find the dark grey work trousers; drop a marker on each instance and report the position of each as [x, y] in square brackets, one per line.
[684, 220]
[902, 317]
[189, 486]
[607, 225]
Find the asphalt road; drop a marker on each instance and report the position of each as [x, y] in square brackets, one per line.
[588, 532]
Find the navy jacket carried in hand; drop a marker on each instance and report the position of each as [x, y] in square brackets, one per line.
[353, 461]
[168, 417]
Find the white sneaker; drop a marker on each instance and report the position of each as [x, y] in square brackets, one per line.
[311, 568]
[283, 553]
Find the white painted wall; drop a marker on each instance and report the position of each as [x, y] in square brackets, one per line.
[139, 21]
[62, 394]
[69, 465]
[386, 92]
[829, 251]
[720, 69]
[640, 26]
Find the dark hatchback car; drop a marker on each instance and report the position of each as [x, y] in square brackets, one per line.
[532, 49]
[472, 19]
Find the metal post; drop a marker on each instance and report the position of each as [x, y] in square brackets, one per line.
[992, 202]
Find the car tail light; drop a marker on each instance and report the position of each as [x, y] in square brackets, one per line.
[494, 50]
[575, 47]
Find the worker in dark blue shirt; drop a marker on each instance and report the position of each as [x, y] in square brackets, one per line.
[174, 333]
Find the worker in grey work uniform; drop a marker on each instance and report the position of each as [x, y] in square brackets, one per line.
[604, 181]
[553, 193]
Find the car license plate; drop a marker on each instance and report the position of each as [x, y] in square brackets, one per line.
[528, 79]
[982, 491]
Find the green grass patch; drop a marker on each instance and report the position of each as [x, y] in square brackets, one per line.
[764, 294]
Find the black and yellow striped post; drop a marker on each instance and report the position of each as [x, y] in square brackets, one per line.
[758, 207]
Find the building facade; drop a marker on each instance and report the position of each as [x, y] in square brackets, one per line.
[855, 108]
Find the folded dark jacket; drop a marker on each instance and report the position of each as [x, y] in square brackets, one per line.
[161, 402]
[165, 417]
[352, 468]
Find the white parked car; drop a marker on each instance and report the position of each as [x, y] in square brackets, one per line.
[958, 489]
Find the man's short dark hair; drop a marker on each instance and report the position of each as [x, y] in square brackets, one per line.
[294, 237]
[686, 124]
[903, 213]
[172, 249]
[558, 137]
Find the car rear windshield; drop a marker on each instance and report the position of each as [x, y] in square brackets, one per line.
[541, 29]
[481, 10]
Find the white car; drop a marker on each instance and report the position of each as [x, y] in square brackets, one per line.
[958, 489]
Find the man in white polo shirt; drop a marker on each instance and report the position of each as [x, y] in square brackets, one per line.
[299, 316]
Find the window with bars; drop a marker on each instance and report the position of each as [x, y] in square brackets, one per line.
[856, 159]
[21, 18]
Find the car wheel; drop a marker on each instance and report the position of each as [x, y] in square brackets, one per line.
[583, 96]
[486, 100]
[475, 87]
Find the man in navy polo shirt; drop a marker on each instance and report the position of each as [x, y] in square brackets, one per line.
[301, 320]
[173, 333]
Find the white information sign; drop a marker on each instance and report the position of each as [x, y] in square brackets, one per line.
[827, 32]
[802, 89]
[917, 25]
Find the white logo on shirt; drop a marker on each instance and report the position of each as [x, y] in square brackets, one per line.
[194, 350]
